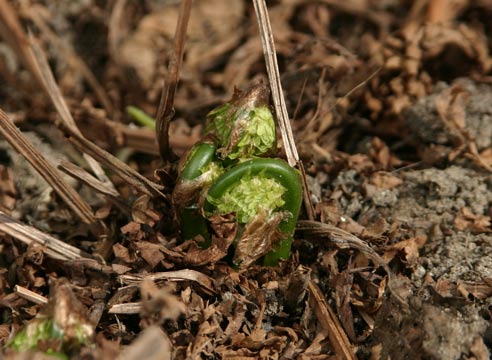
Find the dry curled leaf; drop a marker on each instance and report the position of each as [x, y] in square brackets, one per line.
[258, 238]
[159, 304]
[224, 232]
[406, 250]
[150, 252]
[472, 222]
[385, 180]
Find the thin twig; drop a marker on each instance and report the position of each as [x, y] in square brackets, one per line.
[306, 194]
[22, 145]
[206, 282]
[128, 174]
[35, 61]
[83, 176]
[270, 54]
[356, 87]
[330, 323]
[34, 14]
[299, 99]
[275, 84]
[126, 308]
[345, 240]
[86, 178]
[30, 295]
[53, 247]
[165, 111]
[56, 97]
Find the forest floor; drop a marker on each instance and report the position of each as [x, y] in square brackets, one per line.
[391, 108]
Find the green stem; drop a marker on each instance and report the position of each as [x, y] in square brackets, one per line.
[275, 169]
[141, 117]
[199, 157]
[192, 222]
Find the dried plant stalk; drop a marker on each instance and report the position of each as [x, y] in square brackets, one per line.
[166, 110]
[270, 54]
[22, 145]
[330, 323]
[54, 248]
[274, 76]
[30, 295]
[35, 61]
[206, 282]
[55, 95]
[128, 174]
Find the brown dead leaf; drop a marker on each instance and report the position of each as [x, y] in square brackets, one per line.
[143, 211]
[258, 238]
[351, 226]
[385, 180]
[446, 288]
[343, 289]
[204, 340]
[297, 286]
[159, 304]
[380, 153]
[225, 228]
[376, 229]
[472, 222]
[479, 290]
[368, 292]
[131, 228]
[257, 341]
[122, 254]
[330, 211]
[360, 163]
[150, 252]
[406, 250]
[451, 107]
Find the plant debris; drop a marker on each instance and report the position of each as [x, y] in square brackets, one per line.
[390, 108]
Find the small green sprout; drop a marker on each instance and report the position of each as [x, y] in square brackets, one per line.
[141, 117]
[61, 327]
[199, 170]
[42, 329]
[244, 127]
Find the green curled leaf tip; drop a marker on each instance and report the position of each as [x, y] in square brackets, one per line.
[250, 194]
[288, 186]
[244, 127]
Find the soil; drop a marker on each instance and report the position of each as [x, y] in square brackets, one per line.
[391, 108]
